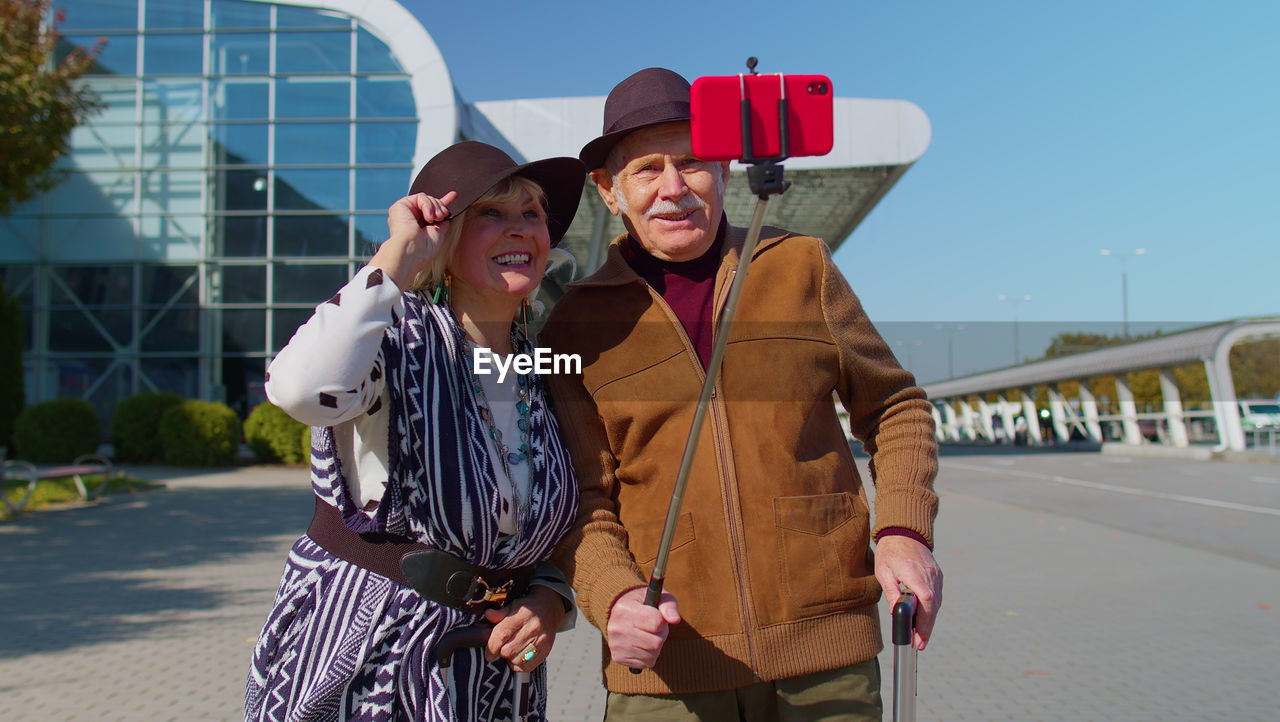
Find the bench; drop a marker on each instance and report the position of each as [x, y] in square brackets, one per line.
[85, 465]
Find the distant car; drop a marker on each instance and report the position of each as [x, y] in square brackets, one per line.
[1260, 414]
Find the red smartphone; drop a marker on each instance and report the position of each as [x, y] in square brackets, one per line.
[716, 110]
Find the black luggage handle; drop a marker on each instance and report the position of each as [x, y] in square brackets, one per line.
[904, 618]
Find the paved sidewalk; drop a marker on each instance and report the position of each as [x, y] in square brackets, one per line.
[145, 607]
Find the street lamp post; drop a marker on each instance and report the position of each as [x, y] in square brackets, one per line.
[1015, 301]
[1124, 282]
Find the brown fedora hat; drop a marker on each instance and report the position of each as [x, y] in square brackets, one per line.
[470, 168]
[652, 96]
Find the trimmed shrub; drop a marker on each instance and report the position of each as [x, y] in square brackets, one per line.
[56, 432]
[273, 435]
[135, 428]
[306, 444]
[200, 433]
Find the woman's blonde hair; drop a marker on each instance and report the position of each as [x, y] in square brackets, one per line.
[512, 188]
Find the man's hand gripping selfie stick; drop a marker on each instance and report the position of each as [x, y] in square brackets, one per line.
[765, 177]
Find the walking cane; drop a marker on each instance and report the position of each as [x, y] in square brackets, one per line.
[477, 635]
[765, 178]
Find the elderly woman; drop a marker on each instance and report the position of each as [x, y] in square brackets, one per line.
[440, 492]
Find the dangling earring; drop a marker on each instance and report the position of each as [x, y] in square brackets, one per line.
[442, 286]
[524, 316]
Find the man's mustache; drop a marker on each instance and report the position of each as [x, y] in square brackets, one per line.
[662, 206]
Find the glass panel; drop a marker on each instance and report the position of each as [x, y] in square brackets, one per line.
[243, 380]
[240, 236]
[170, 237]
[99, 15]
[371, 231]
[93, 285]
[172, 146]
[19, 238]
[385, 142]
[378, 188]
[287, 17]
[313, 53]
[240, 144]
[239, 14]
[313, 143]
[240, 190]
[178, 375]
[311, 235]
[284, 322]
[241, 53]
[240, 99]
[73, 377]
[381, 97]
[244, 284]
[71, 330]
[307, 283]
[176, 191]
[173, 55]
[312, 98]
[119, 57]
[175, 329]
[99, 147]
[310, 190]
[84, 194]
[244, 330]
[171, 15]
[172, 101]
[120, 96]
[373, 55]
[89, 238]
[160, 283]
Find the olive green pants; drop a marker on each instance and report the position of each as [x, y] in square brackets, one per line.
[848, 693]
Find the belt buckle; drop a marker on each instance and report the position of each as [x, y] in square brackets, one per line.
[491, 595]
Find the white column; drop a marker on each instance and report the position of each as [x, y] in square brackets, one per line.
[1058, 412]
[939, 432]
[1089, 407]
[984, 420]
[1226, 410]
[1032, 415]
[1128, 411]
[1173, 408]
[967, 426]
[1006, 416]
[949, 419]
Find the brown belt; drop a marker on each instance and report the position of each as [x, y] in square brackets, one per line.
[436, 575]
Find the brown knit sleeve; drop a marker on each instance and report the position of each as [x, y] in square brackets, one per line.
[888, 412]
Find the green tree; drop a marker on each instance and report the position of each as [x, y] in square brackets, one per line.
[41, 99]
[12, 394]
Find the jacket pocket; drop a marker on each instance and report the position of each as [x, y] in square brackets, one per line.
[685, 572]
[822, 550]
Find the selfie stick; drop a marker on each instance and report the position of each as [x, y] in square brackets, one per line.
[765, 177]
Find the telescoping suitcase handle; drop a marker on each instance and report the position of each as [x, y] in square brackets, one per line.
[904, 658]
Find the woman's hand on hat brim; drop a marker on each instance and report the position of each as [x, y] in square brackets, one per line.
[417, 226]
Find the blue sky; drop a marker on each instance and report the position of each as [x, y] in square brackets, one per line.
[1058, 130]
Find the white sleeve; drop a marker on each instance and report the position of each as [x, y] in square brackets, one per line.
[331, 370]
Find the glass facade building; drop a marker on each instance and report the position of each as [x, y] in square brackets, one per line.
[239, 173]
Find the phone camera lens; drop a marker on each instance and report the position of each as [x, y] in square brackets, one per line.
[817, 88]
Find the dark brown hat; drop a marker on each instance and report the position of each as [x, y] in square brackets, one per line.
[650, 97]
[471, 168]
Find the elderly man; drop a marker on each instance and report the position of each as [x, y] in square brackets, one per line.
[769, 609]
